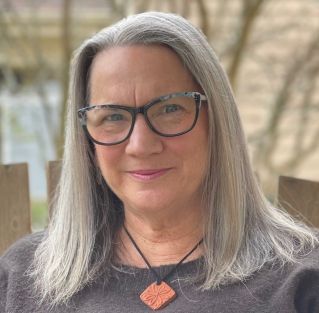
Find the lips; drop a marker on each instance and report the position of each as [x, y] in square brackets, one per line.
[148, 174]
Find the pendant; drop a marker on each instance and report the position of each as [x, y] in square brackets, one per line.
[158, 296]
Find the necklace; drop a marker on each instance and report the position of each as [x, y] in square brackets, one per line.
[159, 294]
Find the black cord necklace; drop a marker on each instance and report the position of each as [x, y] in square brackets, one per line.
[160, 293]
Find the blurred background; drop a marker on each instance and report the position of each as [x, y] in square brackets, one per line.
[269, 48]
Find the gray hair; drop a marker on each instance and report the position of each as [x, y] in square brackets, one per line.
[243, 230]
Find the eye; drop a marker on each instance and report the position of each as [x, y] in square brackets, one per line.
[114, 117]
[176, 108]
[170, 108]
[101, 117]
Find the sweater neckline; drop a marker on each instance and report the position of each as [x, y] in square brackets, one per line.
[184, 267]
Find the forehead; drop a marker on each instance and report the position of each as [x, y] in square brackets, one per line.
[136, 70]
[120, 58]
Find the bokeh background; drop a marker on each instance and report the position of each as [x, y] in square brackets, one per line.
[269, 48]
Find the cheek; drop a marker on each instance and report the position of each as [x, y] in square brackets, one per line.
[191, 151]
[197, 165]
[108, 160]
[198, 153]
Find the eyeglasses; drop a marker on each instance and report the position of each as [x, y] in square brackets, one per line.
[169, 116]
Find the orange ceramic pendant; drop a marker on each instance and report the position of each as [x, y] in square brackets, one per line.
[158, 296]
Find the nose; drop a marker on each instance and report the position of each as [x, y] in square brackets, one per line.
[143, 142]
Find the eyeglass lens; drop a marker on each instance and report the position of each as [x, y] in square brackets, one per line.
[170, 117]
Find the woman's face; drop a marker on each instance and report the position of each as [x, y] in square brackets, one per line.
[149, 173]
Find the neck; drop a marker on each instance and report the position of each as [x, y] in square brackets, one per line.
[160, 241]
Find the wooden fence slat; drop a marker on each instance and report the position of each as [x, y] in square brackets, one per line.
[300, 198]
[15, 213]
[53, 176]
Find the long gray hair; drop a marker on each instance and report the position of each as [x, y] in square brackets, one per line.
[243, 230]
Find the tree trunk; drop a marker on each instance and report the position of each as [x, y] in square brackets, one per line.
[66, 55]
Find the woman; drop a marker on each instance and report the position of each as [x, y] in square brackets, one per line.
[157, 207]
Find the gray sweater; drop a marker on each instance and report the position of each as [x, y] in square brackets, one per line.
[294, 288]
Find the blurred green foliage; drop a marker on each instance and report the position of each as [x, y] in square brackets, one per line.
[39, 214]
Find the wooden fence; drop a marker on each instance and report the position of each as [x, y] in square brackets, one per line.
[15, 205]
[299, 197]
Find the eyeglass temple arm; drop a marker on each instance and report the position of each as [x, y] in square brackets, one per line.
[201, 98]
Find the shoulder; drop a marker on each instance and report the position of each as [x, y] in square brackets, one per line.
[292, 287]
[304, 281]
[22, 251]
[20, 255]
[13, 265]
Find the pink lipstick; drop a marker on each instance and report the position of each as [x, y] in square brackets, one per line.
[147, 175]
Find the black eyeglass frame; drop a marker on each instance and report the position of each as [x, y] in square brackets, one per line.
[198, 97]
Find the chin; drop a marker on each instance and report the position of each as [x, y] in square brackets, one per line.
[149, 202]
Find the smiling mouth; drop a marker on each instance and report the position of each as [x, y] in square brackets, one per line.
[146, 175]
